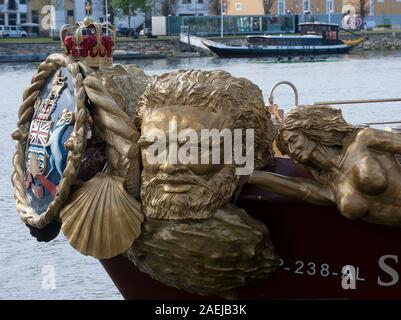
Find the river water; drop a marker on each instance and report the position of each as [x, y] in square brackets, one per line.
[25, 264]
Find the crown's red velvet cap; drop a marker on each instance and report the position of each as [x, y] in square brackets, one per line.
[87, 47]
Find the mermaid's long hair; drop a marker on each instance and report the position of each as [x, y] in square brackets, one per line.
[324, 125]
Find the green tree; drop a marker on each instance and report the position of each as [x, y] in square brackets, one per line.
[128, 8]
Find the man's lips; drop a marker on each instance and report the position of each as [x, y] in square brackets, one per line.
[176, 188]
[177, 184]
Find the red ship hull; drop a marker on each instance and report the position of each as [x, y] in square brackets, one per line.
[314, 243]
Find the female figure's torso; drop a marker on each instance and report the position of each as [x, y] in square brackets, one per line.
[367, 185]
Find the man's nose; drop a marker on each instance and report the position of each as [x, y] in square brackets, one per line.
[171, 168]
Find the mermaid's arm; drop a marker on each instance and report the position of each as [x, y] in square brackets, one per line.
[300, 188]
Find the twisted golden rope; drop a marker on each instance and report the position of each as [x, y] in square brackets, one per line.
[119, 132]
[74, 144]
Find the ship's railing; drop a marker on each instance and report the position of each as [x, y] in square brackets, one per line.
[356, 101]
[288, 83]
[361, 101]
[278, 114]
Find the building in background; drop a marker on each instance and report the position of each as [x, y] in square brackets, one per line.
[98, 10]
[64, 15]
[386, 7]
[70, 11]
[375, 7]
[192, 7]
[312, 6]
[13, 12]
[67, 12]
[244, 7]
[372, 7]
[79, 10]
[180, 7]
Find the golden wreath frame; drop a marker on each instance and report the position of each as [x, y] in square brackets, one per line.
[74, 144]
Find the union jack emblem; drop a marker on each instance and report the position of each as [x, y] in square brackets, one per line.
[39, 132]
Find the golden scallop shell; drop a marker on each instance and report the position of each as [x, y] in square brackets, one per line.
[101, 219]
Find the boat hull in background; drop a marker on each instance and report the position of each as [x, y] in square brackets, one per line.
[231, 51]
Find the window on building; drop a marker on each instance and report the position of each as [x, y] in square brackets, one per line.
[306, 5]
[22, 1]
[35, 16]
[200, 1]
[329, 6]
[12, 5]
[2, 19]
[281, 7]
[371, 7]
[22, 17]
[238, 6]
[12, 19]
[70, 17]
[1, 1]
[186, 1]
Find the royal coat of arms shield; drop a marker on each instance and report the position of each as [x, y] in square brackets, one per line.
[51, 137]
[76, 161]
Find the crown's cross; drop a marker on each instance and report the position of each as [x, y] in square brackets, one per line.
[88, 8]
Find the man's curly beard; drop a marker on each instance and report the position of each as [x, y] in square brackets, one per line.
[200, 202]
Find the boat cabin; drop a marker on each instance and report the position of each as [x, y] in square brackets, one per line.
[310, 34]
[328, 31]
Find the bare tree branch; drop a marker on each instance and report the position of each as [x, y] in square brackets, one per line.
[363, 8]
[169, 7]
[268, 5]
[215, 6]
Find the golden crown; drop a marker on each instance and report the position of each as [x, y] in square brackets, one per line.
[89, 41]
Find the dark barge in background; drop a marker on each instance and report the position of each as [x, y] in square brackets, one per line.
[314, 38]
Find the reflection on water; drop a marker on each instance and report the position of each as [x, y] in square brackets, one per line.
[354, 76]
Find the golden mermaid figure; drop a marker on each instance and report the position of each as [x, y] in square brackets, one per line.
[354, 167]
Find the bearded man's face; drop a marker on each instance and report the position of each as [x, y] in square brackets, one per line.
[179, 179]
